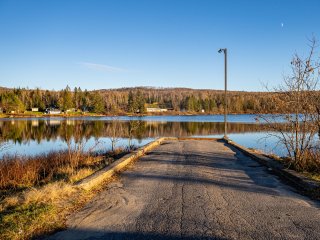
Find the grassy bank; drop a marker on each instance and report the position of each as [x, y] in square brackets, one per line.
[37, 193]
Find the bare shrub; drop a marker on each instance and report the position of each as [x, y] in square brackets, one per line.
[298, 127]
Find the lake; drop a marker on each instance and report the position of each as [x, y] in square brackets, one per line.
[32, 136]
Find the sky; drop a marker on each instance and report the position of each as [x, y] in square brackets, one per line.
[160, 43]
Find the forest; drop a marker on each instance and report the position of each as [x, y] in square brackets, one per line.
[135, 100]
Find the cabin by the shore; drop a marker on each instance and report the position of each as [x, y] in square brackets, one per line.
[157, 110]
[52, 111]
[154, 107]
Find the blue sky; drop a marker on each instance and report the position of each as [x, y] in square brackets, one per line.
[160, 43]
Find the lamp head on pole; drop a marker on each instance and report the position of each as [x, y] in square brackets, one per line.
[222, 50]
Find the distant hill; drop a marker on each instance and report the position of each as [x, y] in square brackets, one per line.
[131, 100]
[162, 89]
[141, 88]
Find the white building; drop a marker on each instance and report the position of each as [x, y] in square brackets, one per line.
[157, 110]
[53, 111]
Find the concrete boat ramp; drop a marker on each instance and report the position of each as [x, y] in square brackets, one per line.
[196, 189]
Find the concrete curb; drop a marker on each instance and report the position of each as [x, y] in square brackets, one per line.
[302, 183]
[117, 166]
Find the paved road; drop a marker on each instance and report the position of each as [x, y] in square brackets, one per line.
[196, 190]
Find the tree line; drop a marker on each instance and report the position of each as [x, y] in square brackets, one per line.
[20, 100]
[135, 100]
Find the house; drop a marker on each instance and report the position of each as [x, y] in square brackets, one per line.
[52, 111]
[156, 109]
[34, 109]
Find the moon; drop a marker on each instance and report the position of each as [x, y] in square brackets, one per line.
[281, 24]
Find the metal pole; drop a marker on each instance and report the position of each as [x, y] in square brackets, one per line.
[225, 94]
[224, 50]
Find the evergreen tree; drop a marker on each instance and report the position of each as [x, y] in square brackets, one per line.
[76, 98]
[65, 100]
[97, 103]
[37, 100]
[140, 102]
[10, 102]
[131, 108]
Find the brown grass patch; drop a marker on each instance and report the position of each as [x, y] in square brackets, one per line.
[20, 172]
[37, 193]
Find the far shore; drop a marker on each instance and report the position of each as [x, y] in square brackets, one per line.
[71, 115]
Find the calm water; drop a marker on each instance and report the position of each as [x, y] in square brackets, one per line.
[31, 136]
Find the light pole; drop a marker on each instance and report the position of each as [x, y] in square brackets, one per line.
[224, 50]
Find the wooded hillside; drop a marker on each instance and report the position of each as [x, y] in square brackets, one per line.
[132, 100]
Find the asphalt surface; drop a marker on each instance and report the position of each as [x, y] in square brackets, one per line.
[196, 190]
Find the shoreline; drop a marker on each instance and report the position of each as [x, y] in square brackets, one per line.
[13, 116]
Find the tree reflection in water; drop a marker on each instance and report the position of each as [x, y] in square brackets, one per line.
[20, 131]
[40, 135]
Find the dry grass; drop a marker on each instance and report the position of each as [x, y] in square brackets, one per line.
[82, 173]
[42, 210]
[49, 193]
[309, 162]
[309, 165]
[18, 172]
[313, 176]
[37, 210]
[39, 191]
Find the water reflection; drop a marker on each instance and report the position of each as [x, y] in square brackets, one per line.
[37, 130]
[30, 136]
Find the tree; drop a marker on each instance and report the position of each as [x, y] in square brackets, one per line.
[131, 107]
[136, 102]
[37, 100]
[76, 98]
[97, 103]
[297, 126]
[140, 102]
[65, 100]
[10, 102]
